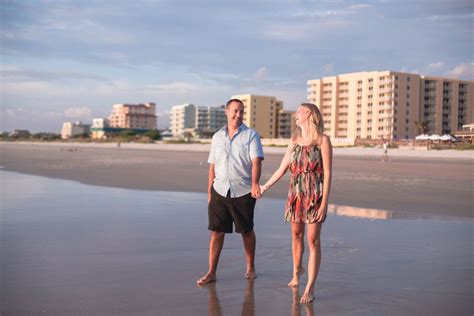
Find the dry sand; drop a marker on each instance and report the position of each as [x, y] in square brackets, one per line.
[423, 182]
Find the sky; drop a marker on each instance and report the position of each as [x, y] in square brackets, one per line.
[72, 60]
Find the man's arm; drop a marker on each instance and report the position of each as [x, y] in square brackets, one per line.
[256, 172]
[210, 181]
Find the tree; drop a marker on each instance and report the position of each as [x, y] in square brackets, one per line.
[153, 134]
[423, 127]
[127, 133]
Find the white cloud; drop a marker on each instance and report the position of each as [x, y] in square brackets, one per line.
[261, 73]
[437, 65]
[359, 6]
[79, 113]
[328, 68]
[173, 87]
[303, 30]
[463, 71]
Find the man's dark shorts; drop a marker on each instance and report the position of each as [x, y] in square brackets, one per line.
[223, 211]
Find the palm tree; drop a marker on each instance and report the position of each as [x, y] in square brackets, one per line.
[423, 126]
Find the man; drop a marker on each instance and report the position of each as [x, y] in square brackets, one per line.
[233, 187]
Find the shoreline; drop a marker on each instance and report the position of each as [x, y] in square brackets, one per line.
[417, 153]
[409, 185]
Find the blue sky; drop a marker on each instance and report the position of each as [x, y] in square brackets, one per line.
[72, 60]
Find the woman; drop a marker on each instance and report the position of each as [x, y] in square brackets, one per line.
[309, 157]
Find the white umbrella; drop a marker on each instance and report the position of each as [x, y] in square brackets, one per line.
[447, 137]
[434, 137]
[422, 137]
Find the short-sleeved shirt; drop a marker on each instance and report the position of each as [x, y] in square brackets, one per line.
[233, 160]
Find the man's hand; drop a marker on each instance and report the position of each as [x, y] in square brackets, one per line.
[256, 194]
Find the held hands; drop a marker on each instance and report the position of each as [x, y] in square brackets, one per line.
[256, 194]
[263, 189]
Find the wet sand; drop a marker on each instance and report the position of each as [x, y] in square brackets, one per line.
[425, 185]
[74, 249]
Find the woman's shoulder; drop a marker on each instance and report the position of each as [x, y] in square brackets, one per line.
[321, 140]
[324, 141]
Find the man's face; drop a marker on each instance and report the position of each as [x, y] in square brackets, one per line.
[235, 114]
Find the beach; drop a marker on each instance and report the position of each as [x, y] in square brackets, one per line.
[69, 248]
[434, 183]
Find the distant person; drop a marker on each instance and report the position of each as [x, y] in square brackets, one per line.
[309, 158]
[233, 187]
[118, 144]
[385, 151]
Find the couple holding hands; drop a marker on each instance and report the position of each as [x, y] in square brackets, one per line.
[233, 187]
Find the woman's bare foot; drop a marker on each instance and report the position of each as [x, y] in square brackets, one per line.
[296, 278]
[251, 274]
[207, 278]
[307, 297]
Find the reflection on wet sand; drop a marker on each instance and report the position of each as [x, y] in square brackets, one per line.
[351, 211]
[248, 304]
[296, 305]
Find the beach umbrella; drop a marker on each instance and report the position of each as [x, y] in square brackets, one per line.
[434, 137]
[422, 137]
[447, 137]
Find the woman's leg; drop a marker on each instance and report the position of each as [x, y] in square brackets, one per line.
[297, 249]
[314, 260]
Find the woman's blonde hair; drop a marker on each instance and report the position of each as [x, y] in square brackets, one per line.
[316, 124]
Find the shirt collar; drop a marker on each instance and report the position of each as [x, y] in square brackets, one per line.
[242, 127]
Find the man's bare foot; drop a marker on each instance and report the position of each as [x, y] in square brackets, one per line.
[251, 274]
[307, 297]
[206, 279]
[296, 278]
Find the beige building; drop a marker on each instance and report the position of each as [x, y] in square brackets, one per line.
[198, 120]
[286, 123]
[390, 105]
[70, 129]
[262, 113]
[182, 117]
[133, 116]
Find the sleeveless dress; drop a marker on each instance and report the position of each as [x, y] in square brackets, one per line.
[306, 185]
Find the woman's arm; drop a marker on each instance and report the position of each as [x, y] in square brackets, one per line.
[285, 162]
[326, 154]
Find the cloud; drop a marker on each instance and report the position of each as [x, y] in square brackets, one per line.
[173, 87]
[463, 71]
[359, 6]
[437, 65]
[80, 113]
[328, 68]
[29, 75]
[261, 73]
[451, 17]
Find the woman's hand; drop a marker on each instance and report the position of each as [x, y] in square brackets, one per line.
[263, 188]
[323, 210]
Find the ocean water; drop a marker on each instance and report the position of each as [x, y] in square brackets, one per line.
[72, 249]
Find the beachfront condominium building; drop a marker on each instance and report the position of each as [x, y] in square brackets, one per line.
[262, 114]
[70, 129]
[391, 105]
[182, 117]
[446, 104]
[200, 120]
[133, 116]
[286, 123]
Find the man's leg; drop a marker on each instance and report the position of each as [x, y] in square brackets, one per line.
[216, 243]
[249, 246]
